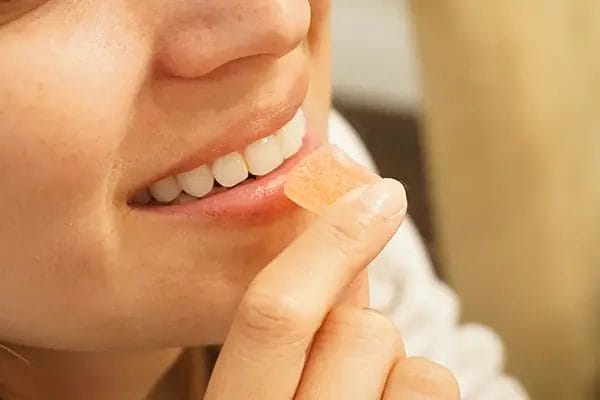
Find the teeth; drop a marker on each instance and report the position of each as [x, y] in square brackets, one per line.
[142, 197]
[230, 170]
[184, 198]
[290, 136]
[259, 158]
[197, 182]
[165, 190]
[263, 156]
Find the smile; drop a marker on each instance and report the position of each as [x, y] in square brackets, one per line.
[240, 182]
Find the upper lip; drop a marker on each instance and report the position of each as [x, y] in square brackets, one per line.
[259, 123]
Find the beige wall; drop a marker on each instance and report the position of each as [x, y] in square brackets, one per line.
[512, 114]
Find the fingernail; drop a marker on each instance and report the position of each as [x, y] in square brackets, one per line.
[386, 198]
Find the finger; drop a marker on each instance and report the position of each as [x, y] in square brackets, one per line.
[420, 379]
[351, 356]
[357, 293]
[287, 302]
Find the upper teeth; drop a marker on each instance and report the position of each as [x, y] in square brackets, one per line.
[258, 158]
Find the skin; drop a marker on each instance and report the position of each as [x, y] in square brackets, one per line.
[103, 96]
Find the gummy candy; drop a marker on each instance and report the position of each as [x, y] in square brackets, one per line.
[324, 176]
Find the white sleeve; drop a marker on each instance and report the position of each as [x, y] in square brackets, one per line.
[425, 310]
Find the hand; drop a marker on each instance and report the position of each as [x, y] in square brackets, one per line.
[292, 339]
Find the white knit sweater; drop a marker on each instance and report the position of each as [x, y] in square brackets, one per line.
[425, 310]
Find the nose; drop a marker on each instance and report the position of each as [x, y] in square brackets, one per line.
[200, 36]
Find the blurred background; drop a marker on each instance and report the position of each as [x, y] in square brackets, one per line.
[376, 88]
[488, 113]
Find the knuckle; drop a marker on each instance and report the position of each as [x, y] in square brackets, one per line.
[434, 379]
[274, 318]
[447, 380]
[364, 327]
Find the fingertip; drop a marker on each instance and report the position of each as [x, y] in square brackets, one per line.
[418, 376]
[385, 197]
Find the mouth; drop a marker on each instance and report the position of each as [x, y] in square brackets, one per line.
[243, 183]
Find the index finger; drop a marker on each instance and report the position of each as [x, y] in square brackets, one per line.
[287, 301]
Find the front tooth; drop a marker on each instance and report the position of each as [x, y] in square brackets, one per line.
[290, 136]
[230, 170]
[197, 182]
[263, 156]
[165, 190]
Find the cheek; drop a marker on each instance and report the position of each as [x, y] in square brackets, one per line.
[72, 87]
[320, 8]
[319, 47]
[63, 114]
[58, 147]
[62, 117]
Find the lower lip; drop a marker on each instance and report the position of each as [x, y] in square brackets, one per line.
[256, 200]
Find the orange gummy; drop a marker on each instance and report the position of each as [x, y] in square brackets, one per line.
[323, 177]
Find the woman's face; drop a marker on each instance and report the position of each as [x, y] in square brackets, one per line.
[99, 99]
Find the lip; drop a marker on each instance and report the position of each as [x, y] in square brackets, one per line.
[256, 200]
[254, 126]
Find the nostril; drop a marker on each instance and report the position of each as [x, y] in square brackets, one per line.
[189, 52]
[287, 26]
[193, 46]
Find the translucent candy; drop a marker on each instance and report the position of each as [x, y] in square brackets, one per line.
[324, 176]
